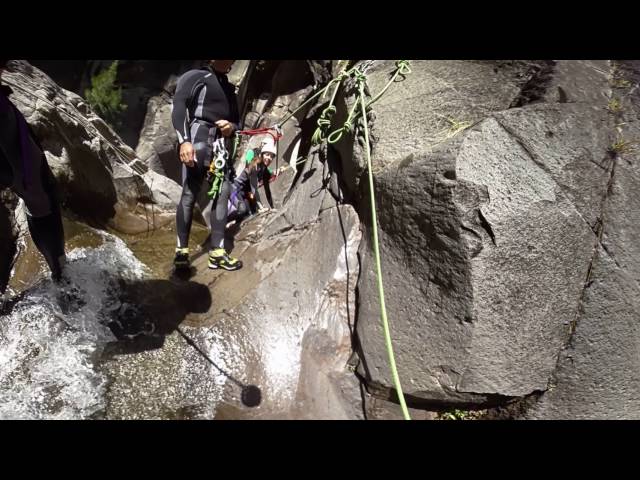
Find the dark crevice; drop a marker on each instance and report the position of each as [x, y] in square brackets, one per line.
[8, 237]
[601, 165]
[363, 400]
[562, 95]
[534, 89]
[516, 409]
[610, 253]
[356, 345]
[470, 230]
[523, 144]
[280, 231]
[587, 283]
[598, 230]
[481, 402]
[487, 226]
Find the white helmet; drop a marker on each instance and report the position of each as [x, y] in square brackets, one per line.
[268, 146]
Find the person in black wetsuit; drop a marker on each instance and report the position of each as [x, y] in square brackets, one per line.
[24, 169]
[205, 109]
[245, 197]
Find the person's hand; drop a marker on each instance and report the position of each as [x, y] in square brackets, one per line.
[187, 154]
[226, 127]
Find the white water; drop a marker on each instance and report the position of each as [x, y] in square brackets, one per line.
[46, 355]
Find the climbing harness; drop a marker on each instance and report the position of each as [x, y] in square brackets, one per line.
[215, 175]
[220, 154]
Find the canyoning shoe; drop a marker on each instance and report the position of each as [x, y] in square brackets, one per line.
[181, 259]
[219, 258]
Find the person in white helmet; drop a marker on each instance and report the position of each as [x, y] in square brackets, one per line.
[245, 197]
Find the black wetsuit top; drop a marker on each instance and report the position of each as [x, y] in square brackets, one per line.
[204, 96]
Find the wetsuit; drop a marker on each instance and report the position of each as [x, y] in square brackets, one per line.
[202, 98]
[24, 168]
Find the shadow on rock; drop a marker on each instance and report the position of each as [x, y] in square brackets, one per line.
[183, 274]
[149, 310]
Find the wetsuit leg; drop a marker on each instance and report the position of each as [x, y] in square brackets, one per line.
[6, 174]
[7, 242]
[47, 232]
[33, 181]
[219, 215]
[192, 179]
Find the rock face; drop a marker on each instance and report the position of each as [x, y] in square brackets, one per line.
[99, 176]
[138, 81]
[158, 143]
[597, 374]
[296, 293]
[491, 258]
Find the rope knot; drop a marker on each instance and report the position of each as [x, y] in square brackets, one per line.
[328, 112]
[403, 67]
[360, 76]
[325, 119]
[342, 75]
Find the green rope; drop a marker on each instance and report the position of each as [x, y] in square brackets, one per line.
[324, 122]
[376, 249]
[325, 118]
[215, 185]
[322, 92]
[402, 68]
[336, 135]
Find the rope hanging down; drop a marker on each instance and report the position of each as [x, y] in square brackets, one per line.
[361, 79]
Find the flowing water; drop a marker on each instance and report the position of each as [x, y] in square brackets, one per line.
[54, 342]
